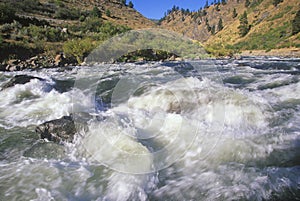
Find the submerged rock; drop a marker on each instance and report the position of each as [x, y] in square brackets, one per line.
[46, 150]
[19, 79]
[58, 130]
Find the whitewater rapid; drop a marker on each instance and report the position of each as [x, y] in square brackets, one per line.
[201, 130]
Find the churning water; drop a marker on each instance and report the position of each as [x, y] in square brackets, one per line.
[201, 130]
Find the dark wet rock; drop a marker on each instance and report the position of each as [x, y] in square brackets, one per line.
[58, 130]
[63, 85]
[64, 129]
[19, 79]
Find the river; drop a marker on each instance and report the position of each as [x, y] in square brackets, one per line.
[198, 130]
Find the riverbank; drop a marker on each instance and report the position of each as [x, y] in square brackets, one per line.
[41, 61]
[285, 52]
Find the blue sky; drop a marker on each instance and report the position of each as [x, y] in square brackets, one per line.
[155, 9]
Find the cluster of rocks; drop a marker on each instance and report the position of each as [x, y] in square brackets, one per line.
[35, 62]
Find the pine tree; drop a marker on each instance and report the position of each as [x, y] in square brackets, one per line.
[96, 12]
[108, 14]
[206, 4]
[130, 4]
[244, 27]
[207, 25]
[234, 13]
[123, 2]
[296, 23]
[276, 2]
[213, 30]
[220, 25]
[247, 3]
[223, 2]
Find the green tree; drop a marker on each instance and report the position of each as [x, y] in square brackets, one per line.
[206, 4]
[207, 25]
[123, 2]
[234, 13]
[213, 30]
[7, 13]
[1, 40]
[130, 4]
[276, 2]
[223, 2]
[296, 23]
[108, 14]
[220, 25]
[244, 27]
[78, 48]
[247, 3]
[96, 12]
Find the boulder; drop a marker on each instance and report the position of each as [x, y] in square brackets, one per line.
[58, 130]
[19, 79]
[59, 60]
[64, 129]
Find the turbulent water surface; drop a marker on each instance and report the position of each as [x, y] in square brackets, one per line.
[201, 130]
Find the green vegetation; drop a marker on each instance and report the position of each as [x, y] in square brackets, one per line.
[130, 4]
[20, 35]
[123, 2]
[265, 41]
[296, 23]
[78, 48]
[247, 3]
[1, 40]
[7, 13]
[220, 25]
[108, 13]
[96, 12]
[276, 2]
[234, 13]
[65, 13]
[244, 27]
[220, 49]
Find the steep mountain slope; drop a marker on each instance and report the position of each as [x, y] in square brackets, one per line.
[270, 26]
[47, 27]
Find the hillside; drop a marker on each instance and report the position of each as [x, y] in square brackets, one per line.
[270, 25]
[47, 27]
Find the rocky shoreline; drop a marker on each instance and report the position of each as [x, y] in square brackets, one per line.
[41, 61]
[36, 62]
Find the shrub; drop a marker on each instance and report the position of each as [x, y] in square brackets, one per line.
[91, 24]
[108, 30]
[7, 13]
[108, 14]
[296, 23]
[276, 2]
[1, 40]
[65, 13]
[96, 12]
[78, 48]
[43, 33]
